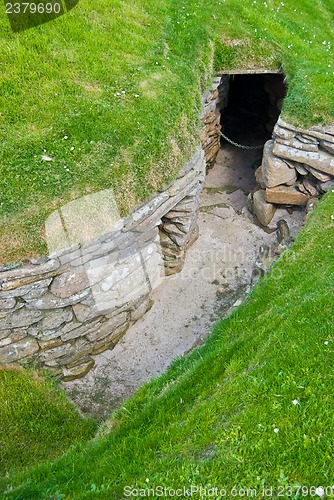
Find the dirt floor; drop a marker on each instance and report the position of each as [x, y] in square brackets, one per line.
[220, 269]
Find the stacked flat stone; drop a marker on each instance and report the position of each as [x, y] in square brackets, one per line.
[178, 231]
[59, 310]
[213, 102]
[297, 164]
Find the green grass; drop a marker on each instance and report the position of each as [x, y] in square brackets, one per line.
[211, 419]
[66, 78]
[37, 422]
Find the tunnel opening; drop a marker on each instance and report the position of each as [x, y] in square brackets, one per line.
[252, 106]
[249, 105]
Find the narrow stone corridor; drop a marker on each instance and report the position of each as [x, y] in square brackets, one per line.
[218, 272]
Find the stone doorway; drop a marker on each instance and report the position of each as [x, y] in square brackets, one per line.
[251, 107]
[249, 104]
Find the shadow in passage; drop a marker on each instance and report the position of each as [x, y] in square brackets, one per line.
[254, 105]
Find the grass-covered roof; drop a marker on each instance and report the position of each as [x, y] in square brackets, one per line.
[111, 93]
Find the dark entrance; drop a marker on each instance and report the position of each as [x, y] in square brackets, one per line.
[254, 104]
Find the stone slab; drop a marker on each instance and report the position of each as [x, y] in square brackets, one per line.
[33, 289]
[78, 371]
[326, 186]
[328, 146]
[19, 350]
[70, 283]
[263, 210]
[50, 301]
[7, 278]
[285, 195]
[315, 131]
[21, 317]
[7, 304]
[54, 318]
[319, 175]
[107, 327]
[296, 143]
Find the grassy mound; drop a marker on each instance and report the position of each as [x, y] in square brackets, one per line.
[111, 93]
[37, 423]
[252, 409]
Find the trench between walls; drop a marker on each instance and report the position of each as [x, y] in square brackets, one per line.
[60, 310]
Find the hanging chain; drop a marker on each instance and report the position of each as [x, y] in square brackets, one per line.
[240, 145]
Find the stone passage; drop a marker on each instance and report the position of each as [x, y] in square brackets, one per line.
[297, 164]
[97, 281]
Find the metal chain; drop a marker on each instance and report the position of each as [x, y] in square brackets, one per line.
[240, 145]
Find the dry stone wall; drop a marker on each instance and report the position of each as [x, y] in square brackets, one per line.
[59, 310]
[213, 102]
[297, 166]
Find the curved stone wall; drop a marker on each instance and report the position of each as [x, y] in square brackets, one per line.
[59, 310]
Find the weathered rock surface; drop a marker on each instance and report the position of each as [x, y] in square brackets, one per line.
[328, 146]
[7, 304]
[300, 168]
[70, 283]
[259, 177]
[35, 288]
[18, 277]
[54, 318]
[108, 327]
[50, 301]
[318, 175]
[18, 351]
[322, 161]
[326, 186]
[78, 371]
[296, 143]
[274, 170]
[20, 317]
[310, 187]
[315, 132]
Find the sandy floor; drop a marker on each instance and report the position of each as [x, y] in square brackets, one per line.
[216, 276]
